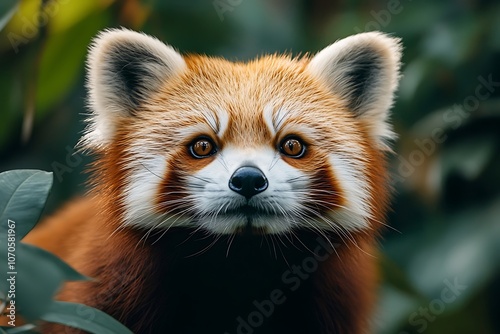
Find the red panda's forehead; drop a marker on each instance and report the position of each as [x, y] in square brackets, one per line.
[246, 97]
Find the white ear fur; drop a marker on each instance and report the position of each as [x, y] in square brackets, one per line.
[123, 68]
[364, 70]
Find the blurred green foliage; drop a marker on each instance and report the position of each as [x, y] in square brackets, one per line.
[446, 170]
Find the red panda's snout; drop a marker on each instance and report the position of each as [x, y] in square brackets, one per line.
[255, 190]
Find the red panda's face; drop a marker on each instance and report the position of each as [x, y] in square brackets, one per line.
[273, 145]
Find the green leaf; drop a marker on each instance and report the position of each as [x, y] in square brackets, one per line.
[7, 10]
[37, 274]
[23, 194]
[84, 317]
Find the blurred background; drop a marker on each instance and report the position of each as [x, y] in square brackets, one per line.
[441, 259]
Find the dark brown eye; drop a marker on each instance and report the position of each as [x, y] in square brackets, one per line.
[292, 147]
[202, 148]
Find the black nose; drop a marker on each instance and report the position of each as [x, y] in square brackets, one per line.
[248, 181]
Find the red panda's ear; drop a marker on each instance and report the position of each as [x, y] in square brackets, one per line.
[123, 68]
[364, 70]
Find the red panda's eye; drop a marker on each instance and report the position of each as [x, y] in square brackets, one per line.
[202, 148]
[292, 147]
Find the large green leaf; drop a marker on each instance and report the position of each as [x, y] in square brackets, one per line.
[23, 194]
[7, 10]
[37, 275]
[84, 317]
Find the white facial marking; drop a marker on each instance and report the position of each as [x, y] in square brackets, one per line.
[269, 118]
[147, 172]
[223, 121]
[145, 179]
[354, 215]
[211, 119]
[276, 120]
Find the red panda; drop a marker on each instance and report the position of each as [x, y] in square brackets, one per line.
[231, 197]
